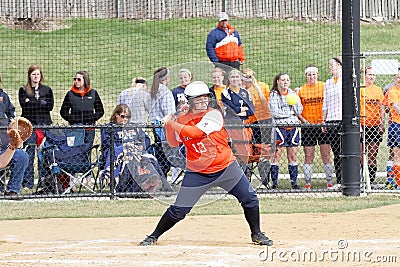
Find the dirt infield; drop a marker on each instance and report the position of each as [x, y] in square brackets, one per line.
[361, 238]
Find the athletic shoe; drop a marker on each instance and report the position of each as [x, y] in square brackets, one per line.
[148, 241]
[307, 186]
[275, 186]
[337, 187]
[261, 239]
[329, 186]
[295, 187]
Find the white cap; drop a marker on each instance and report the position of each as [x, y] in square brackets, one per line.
[222, 16]
[196, 89]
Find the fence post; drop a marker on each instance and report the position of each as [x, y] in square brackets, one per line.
[350, 105]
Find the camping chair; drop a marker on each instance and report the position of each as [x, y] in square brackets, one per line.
[250, 155]
[67, 161]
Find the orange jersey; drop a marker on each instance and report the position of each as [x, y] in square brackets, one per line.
[218, 94]
[205, 139]
[312, 98]
[371, 105]
[261, 110]
[393, 97]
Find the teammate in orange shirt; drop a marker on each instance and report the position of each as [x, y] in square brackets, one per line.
[312, 95]
[393, 100]
[217, 77]
[210, 163]
[372, 113]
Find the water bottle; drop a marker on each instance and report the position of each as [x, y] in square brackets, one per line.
[389, 172]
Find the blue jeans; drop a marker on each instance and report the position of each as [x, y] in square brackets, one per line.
[18, 164]
[30, 144]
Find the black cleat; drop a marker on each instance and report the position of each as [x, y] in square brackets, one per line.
[261, 239]
[148, 241]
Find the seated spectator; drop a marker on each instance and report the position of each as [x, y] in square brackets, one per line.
[122, 138]
[137, 171]
[16, 158]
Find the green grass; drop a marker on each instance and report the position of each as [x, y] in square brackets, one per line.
[139, 208]
[114, 51]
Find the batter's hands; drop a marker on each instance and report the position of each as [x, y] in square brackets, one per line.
[167, 118]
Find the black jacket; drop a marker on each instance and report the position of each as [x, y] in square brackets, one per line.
[37, 110]
[85, 109]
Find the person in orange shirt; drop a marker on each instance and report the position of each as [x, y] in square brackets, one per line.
[372, 112]
[393, 102]
[210, 163]
[311, 95]
[259, 92]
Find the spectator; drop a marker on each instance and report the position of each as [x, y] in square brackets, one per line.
[210, 163]
[393, 99]
[259, 92]
[237, 100]
[311, 95]
[126, 140]
[7, 109]
[185, 77]
[332, 114]
[217, 77]
[389, 163]
[286, 135]
[16, 158]
[162, 104]
[36, 100]
[372, 113]
[138, 100]
[239, 108]
[82, 105]
[224, 47]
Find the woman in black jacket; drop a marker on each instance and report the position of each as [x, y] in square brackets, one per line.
[82, 105]
[36, 100]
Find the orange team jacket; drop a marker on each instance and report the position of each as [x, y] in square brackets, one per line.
[393, 97]
[370, 105]
[230, 48]
[312, 98]
[261, 110]
[205, 139]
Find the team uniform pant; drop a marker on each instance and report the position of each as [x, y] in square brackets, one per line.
[194, 185]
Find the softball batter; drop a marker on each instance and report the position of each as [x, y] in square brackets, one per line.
[210, 163]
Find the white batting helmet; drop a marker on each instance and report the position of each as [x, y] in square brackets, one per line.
[196, 89]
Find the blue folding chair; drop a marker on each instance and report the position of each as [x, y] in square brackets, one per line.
[68, 159]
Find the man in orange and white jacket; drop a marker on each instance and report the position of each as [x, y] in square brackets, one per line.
[224, 45]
